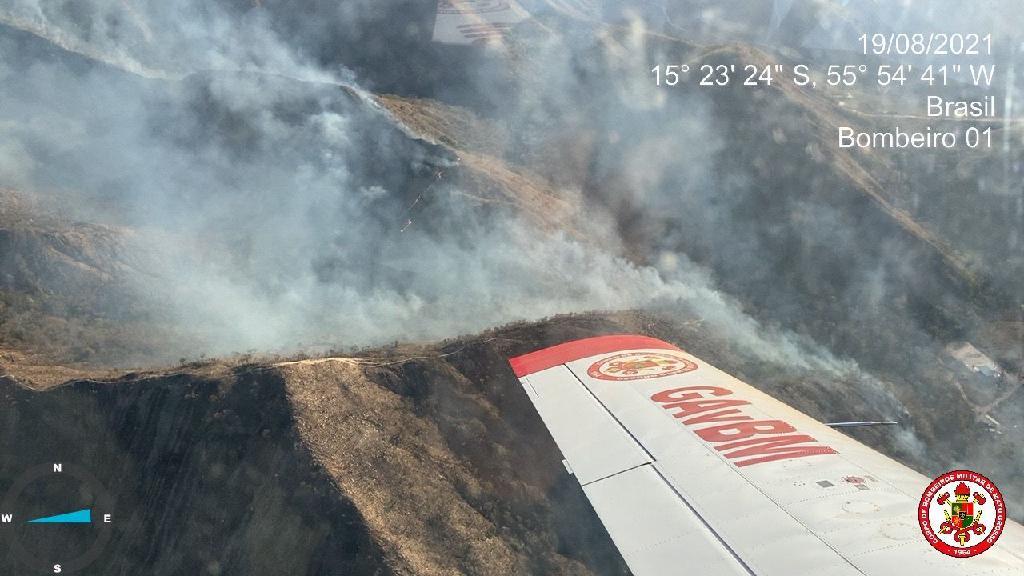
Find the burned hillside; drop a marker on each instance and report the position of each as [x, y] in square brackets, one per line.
[413, 460]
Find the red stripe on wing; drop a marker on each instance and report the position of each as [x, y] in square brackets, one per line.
[570, 351]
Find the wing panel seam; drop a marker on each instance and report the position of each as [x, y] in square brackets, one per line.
[612, 414]
[652, 463]
[614, 474]
[722, 459]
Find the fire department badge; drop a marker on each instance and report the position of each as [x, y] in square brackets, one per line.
[639, 366]
[962, 513]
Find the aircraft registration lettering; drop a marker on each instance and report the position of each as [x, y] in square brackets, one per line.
[720, 423]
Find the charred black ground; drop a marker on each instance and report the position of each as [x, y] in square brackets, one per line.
[208, 475]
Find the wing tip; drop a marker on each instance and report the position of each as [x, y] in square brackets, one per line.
[558, 354]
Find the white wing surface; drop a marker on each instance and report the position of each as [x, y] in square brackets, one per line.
[690, 468]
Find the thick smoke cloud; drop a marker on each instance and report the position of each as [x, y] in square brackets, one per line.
[271, 201]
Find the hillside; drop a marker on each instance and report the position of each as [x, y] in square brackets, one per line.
[411, 460]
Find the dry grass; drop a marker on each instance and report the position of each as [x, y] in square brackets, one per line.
[451, 126]
[397, 469]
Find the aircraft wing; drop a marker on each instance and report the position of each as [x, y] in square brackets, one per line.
[690, 468]
[475, 21]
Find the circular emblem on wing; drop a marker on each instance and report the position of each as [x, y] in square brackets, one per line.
[640, 365]
[962, 513]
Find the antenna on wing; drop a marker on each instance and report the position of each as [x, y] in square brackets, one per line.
[859, 424]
